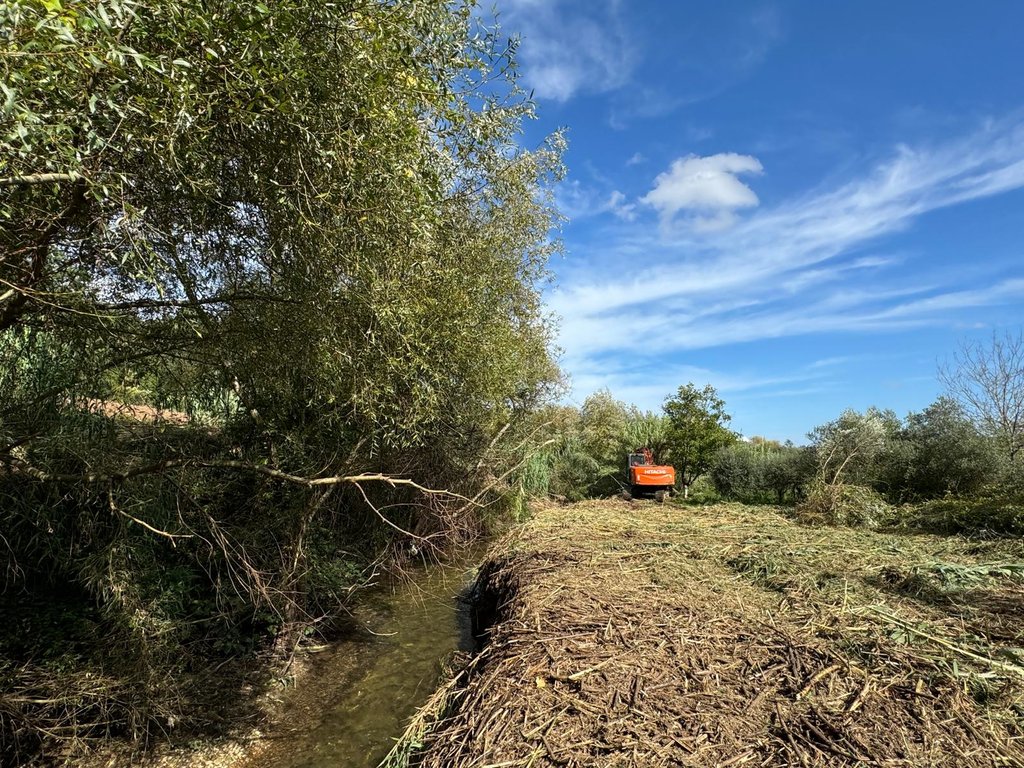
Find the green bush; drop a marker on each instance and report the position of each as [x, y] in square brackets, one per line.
[702, 491]
[574, 474]
[761, 473]
[937, 453]
[738, 473]
[786, 473]
[842, 504]
[989, 515]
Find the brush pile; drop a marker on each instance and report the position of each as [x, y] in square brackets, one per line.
[645, 635]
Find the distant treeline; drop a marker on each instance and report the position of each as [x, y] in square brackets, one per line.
[954, 466]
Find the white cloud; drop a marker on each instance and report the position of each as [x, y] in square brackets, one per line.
[707, 187]
[636, 159]
[648, 386]
[617, 204]
[570, 47]
[797, 268]
[576, 201]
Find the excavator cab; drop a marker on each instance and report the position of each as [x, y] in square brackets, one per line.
[644, 477]
[641, 459]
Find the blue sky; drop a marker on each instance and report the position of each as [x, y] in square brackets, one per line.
[805, 204]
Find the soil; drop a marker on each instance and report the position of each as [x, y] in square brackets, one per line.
[667, 635]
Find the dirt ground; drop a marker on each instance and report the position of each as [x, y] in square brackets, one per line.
[661, 635]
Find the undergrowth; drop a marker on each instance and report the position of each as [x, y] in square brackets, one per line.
[991, 515]
[843, 504]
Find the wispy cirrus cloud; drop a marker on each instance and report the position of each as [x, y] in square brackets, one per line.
[795, 268]
[570, 47]
[577, 201]
[646, 385]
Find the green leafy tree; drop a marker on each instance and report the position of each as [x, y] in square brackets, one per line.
[788, 472]
[311, 230]
[849, 447]
[697, 431]
[939, 452]
[650, 430]
[737, 472]
[762, 469]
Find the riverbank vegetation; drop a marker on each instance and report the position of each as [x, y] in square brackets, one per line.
[269, 310]
[271, 318]
[585, 452]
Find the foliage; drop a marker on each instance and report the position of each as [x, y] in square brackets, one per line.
[848, 448]
[845, 505]
[737, 473]
[588, 447]
[938, 452]
[990, 514]
[310, 231]
[696, 430]
[788, 472]
[602, 438]
[762, 471]
[650, 430]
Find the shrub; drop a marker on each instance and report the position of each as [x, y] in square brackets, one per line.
[990, 515]
[938, 453]
[753, 473]
[573, 474]
[737, 473]
[788, 472]
[842, 504]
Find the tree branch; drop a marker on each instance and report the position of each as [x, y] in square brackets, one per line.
[38, 178]
[21, 467]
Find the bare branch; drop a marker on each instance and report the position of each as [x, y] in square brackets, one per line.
[172, 536]
[18, 466]
[988, 383]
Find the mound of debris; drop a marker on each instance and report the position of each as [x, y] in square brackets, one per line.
[646, 635]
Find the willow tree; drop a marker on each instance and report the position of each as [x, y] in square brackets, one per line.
[312, 228]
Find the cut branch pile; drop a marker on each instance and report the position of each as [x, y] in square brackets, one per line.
[639, 635]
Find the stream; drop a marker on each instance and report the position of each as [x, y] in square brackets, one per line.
[358, 695]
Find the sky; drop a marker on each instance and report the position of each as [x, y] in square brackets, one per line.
[807, 205]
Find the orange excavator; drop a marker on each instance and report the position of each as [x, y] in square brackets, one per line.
[644, 477]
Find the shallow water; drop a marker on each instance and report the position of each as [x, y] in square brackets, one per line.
[355, 701]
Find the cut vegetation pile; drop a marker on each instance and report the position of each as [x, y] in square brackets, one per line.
[730, 635]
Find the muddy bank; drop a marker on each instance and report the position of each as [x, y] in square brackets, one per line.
[647, 635]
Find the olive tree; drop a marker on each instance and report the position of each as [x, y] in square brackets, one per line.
[938, 452]
[848, 447]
